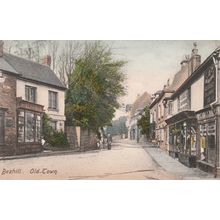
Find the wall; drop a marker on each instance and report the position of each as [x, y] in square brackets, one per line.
[175, 106]
[197, 94]
[8, 102]
[81, 139]
[88, 140]
[42, 99]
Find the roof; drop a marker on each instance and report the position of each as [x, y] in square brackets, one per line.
[30, 70]
[141, 102]
[179, 78]
[5, 66]
[196, 74]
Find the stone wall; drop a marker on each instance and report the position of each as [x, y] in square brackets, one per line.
[88, 140]
[81, 139]
[71, 133]
[8, 105]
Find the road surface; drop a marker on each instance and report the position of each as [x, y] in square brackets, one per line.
[125, 160]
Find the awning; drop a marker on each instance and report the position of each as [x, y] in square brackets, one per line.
[181, 116]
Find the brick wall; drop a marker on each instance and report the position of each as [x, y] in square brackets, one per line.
[8, 104]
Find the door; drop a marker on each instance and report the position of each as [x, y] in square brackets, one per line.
[2, 127]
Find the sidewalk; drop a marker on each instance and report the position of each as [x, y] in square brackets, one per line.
[173, 165]
[45, 153]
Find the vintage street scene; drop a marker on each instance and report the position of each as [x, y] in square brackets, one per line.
[109, 110]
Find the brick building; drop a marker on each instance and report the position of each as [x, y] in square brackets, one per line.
[27, 91]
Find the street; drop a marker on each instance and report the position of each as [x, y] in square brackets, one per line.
[126, 160]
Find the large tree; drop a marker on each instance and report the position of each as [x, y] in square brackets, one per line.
[94, 87]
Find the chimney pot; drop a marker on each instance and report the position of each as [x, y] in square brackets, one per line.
[1, 48]
[46, 60]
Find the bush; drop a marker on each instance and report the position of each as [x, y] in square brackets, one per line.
[57, 139]
[53, 137]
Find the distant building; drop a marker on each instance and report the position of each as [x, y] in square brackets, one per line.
[134, 133]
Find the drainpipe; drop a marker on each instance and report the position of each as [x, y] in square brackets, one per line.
[216, 58]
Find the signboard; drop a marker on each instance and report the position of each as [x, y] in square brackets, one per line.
[209, 85]
[184, 101]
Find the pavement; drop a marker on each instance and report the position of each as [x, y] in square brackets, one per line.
[174, 166]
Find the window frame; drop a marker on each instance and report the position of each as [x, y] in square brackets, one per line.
[27, 96]
[52, 99]
[25, 127]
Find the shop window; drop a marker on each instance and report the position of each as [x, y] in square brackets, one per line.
[29, 127]
[211, 135]
[21, 126]
[38, 129]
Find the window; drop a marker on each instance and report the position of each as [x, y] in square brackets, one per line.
[2, 127]
[29, 127]
[21, 126]
[30, 94]
[52, 100]
[170, 108]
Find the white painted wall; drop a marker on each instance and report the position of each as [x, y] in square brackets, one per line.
[42, 99]
[197, 94]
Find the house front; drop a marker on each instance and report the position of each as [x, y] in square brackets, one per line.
[27, 91]
[194, 123]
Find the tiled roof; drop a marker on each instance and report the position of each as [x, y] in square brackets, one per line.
[5, 66]
[30, 70]
[179, 78]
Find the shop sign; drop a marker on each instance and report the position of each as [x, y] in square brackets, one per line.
[209, 85]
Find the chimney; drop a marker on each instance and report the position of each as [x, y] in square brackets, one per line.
[1, 48]
[46, 60]
[195, 59]
[184, 63]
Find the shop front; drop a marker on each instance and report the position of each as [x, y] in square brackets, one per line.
[29, 127]
[207, 149]
[183, 137]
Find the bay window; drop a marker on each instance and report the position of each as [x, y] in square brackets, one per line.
[29, 127]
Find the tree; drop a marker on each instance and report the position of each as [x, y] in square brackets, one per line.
[70, 52]
[94, 87]
[144, 122]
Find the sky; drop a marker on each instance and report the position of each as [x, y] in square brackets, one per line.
[152, 63]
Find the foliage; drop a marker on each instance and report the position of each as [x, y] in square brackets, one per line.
[144, 122]
[94, 87]
[58, 139]
[52, 137]
[118, 127]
